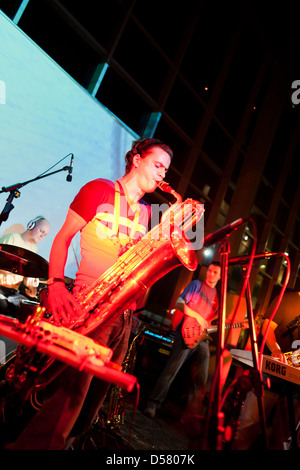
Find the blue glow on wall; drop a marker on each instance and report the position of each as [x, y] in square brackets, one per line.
[46, 115]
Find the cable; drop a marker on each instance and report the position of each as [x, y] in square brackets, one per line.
[54, 165]
[287, 277]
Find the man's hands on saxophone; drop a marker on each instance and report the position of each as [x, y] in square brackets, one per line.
[63, 305]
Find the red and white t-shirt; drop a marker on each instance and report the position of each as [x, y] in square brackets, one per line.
[111, 223]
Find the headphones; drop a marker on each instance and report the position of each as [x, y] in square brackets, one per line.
[33, 222]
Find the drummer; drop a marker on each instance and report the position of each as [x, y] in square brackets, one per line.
[10, 295]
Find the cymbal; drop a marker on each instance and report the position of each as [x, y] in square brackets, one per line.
[23, 262]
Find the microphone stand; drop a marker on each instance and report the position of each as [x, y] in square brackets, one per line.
[217, 438]
[216, 420]
[14, 193]
[215, 424]
[256, 375]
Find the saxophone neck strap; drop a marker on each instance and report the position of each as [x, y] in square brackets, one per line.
[117, 213]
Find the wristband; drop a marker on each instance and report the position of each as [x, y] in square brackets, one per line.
[54, 279]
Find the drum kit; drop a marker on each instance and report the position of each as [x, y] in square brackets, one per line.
[42, 336]
[25, 263]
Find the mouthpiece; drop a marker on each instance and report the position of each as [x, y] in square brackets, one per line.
[164, 186]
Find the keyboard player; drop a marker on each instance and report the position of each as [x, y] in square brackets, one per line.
[283, 336]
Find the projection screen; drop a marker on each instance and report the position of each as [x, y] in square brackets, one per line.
[45, 117]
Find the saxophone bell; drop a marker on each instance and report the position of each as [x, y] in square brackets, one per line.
[165, 187]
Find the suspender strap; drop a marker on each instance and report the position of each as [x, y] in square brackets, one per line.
[116, 221]
[115, 227]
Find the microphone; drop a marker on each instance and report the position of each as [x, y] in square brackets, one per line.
[69, 175]
[222, 232]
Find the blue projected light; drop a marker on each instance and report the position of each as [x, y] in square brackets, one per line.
[155, 335]
[46, 115]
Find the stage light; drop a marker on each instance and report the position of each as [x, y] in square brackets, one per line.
[208, 252]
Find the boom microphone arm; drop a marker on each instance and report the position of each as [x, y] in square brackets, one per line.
[221, 233]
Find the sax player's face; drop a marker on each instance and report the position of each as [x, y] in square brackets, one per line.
[151, 169]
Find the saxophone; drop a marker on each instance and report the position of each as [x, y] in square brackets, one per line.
[162, 249]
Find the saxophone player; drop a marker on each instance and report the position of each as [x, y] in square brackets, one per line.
[108, 215]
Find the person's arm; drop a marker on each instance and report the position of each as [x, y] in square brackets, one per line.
[62, 303]
[271, 340]
[180, 303]
[184, 308]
